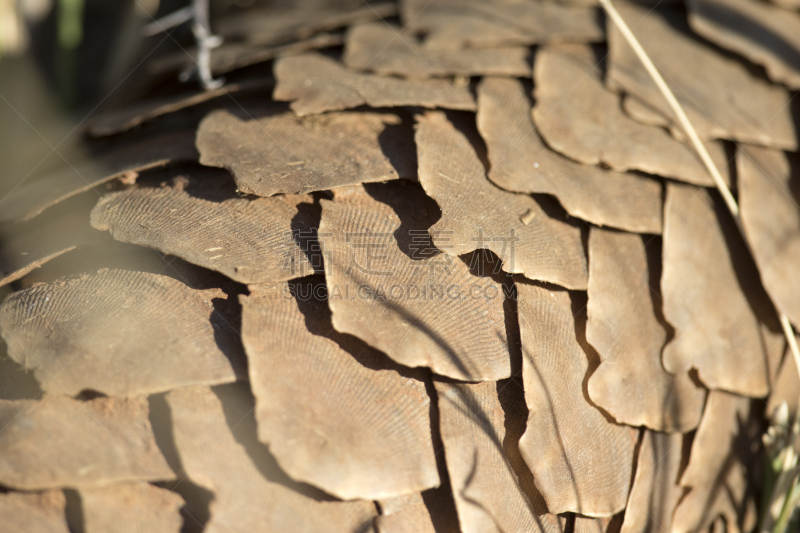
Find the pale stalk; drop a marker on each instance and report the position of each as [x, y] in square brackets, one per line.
[730, 201]
[673, 103]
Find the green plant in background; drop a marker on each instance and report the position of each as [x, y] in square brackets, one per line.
[70, 35]
[781, 495]
[70, 23]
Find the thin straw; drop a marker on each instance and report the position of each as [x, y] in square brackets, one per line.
[733, 207]
[673, 103]
[790, 338]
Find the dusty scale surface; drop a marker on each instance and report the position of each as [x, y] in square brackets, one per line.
[419, 266]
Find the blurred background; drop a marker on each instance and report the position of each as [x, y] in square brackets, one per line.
[62, 62]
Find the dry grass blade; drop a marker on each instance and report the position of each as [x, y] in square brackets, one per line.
[655, 491]
[110, 440]
[86, 333]
[393, 289]
[398, 54]
[250, 241]
[26, 246]
[43, 512]
[492, 488]
[19, 267]
[710, 298]
[476, 214]
[244, 499]
[731, 203]
[266, 157]
[720, 97]
[630, 383]
[791, 339]
[371, 438]
[676, 107]
[717, 474]
[455, 24]
[572, 477]
[580, 118]
[764, 34]
[130, 508]
[316, 84]
[521, 162]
